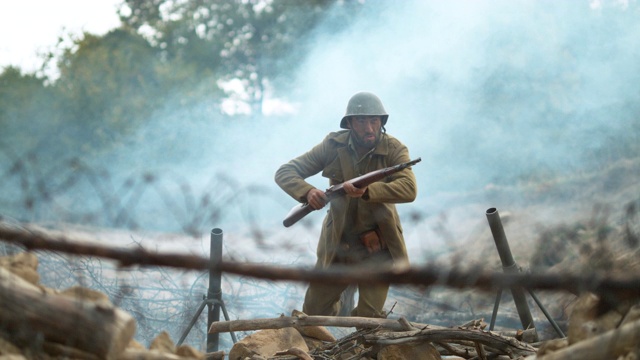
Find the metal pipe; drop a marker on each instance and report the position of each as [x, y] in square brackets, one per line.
[193, 322]
[214, 294]
[500, 238]
[508, 266]
[494, 314]
[546, 313]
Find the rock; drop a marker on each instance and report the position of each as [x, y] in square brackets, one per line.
[315, 332]
[632, 315]
[12, 357]
[312, 343]
[25, 265]
[266, 343]
[163, 343]
[424, 351]
[585, 320]
[189, 352]
[551, 346]
[135, 345]
[83, 293]
[8, 348]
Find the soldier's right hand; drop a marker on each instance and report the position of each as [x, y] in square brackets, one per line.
[316, 199]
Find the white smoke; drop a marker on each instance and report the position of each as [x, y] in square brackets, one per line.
[484, 92]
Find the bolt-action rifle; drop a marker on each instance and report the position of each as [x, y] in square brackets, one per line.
[302, 210]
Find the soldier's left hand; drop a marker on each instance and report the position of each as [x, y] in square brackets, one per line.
[353, 191]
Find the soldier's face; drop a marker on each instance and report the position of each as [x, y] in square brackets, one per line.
[366, 130]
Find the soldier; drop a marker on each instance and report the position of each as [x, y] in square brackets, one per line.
[362, 228]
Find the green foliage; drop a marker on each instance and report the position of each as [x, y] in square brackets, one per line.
[107, 86]
[110, 85]
[255, 41]
[25, 109]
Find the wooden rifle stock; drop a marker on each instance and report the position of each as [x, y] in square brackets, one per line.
[302, 210]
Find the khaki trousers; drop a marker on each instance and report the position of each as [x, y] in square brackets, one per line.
[324, 298]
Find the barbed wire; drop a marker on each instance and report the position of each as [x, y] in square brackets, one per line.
[617, 286]
[72, 190]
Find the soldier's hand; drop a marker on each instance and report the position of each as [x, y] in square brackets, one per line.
[353, 191]
[316, 199]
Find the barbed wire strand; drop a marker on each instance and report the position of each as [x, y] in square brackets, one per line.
[620, 286]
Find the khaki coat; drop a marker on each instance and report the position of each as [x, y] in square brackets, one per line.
[333, 158]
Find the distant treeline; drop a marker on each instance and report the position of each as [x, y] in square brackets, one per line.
[164, 52]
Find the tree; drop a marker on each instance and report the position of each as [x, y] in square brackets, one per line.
[107, 85]
[25, 109]
[252, 40]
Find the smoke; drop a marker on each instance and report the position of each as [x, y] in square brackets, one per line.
[485, 92]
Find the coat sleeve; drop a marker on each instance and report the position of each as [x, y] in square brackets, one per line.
[400, 187]
[291, 176]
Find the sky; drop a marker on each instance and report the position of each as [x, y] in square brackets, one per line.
[32, 27]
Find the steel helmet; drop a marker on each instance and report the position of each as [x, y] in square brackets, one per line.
[367, 104]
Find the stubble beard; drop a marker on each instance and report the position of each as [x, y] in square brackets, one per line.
[367, 144]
